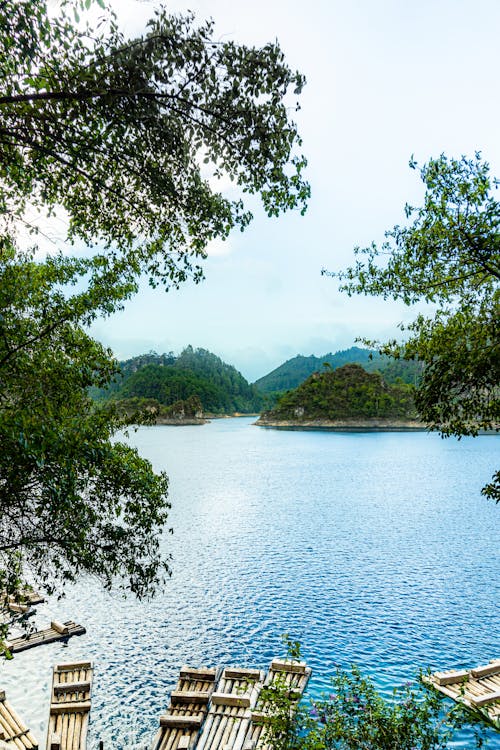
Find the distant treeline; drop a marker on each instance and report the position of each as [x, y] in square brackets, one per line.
[294, 371]
[346, 393]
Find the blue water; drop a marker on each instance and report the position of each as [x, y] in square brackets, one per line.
[376, 549]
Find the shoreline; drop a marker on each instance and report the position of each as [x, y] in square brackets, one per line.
[180, 422]
[344, 425]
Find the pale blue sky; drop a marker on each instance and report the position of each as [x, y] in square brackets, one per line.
[386, 79]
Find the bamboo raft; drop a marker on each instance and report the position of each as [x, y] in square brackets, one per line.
[222, 709]
[70, 706]
[56, 632]
[284, 675]
[20, 606]
[28, 596]
[24, 598]
[229, 718]
[180, 726]
[478, 689]
[12, 730]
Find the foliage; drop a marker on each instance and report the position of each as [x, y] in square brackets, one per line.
[115, 132]
[449, 255]
[346, 393]
[194, 373]
[72, 500]
[355, 715]
[278, 707]
[110, 135]
[294, 371]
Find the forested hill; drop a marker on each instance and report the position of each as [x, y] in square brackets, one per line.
[168, 380]
[347, 393]
[294, 371]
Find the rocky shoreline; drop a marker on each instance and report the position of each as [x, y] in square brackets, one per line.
[343, 424]
[180, 421]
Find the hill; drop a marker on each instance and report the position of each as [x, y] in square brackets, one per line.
[347, 393]
[294, 371]
[167, 380]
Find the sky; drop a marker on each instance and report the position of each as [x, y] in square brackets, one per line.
[386, 79]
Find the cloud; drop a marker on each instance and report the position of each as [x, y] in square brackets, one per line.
[218, 248]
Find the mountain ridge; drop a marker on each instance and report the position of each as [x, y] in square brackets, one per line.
[294, 371]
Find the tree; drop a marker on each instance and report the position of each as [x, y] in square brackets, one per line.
[113, 133]
[449, 255]
[72, 500]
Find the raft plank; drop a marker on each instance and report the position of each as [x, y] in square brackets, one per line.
[288, 665]
[72, 666]
[293, 676]
[230, 699]
[189, 673]
[488, 670]
[49, 635]
[179, 697]
[229, 716]
[72, 687]
[187, 710]
[180, 721]
[450, 678]
[67, 707]
[25, 596]
[240, 674]
[482, 690]
[484, 699]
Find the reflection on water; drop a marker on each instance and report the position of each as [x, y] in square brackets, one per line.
[370, 548]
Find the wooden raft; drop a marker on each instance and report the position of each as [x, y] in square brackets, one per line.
[70, 706]
[287, 674]
[13, 607]
[12, 730]
[56, 632]
[28, 596]
[25, 596]
[222, 710]
[478, 689]
[180, 725]
[229, 719]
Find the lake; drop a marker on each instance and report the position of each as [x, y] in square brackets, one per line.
[370, 548]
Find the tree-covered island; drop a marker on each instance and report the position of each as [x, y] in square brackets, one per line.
[348, 397]
[182, 389]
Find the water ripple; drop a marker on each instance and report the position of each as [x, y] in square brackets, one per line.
[373, 549]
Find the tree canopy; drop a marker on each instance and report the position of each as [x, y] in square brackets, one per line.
[125, 139]
[448, 255]
[125, 134]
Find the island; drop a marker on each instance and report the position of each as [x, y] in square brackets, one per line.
[348, 398]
